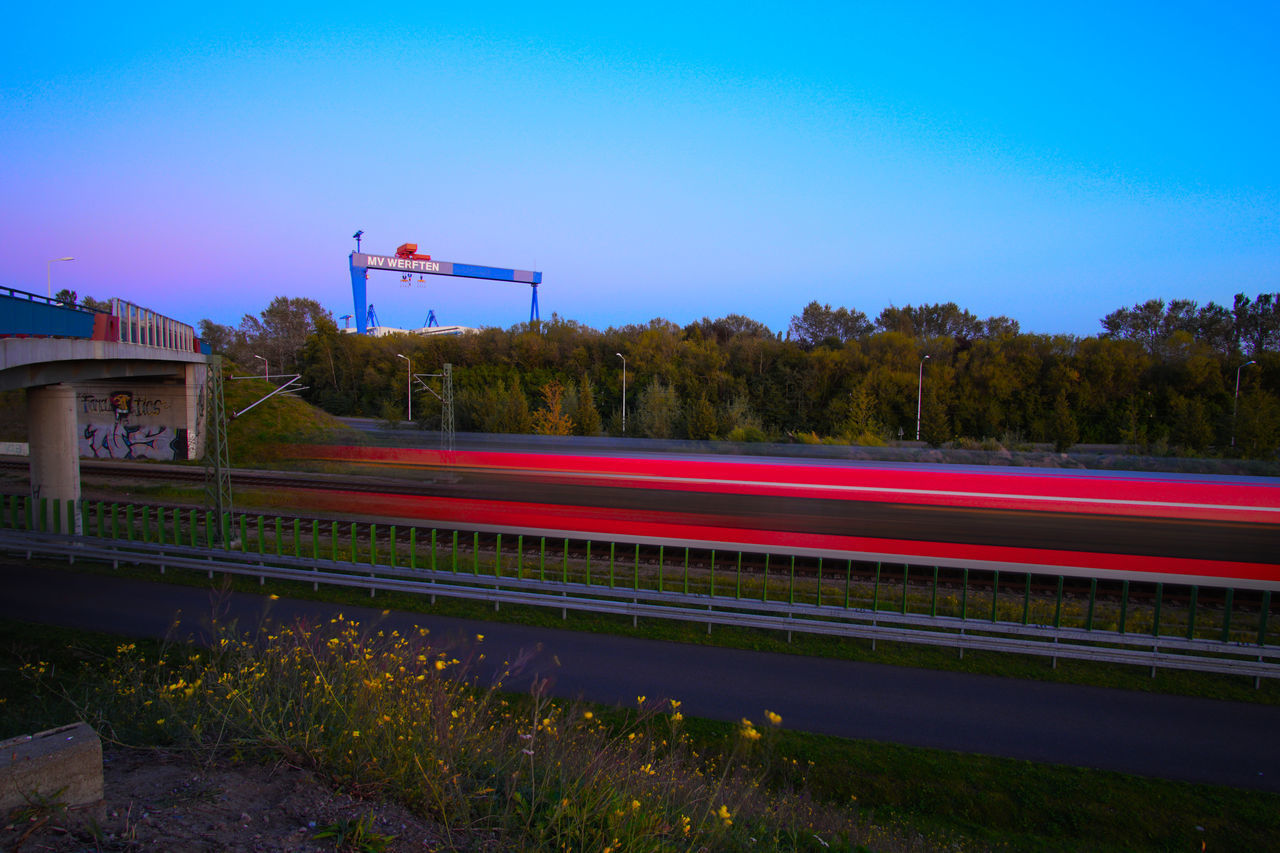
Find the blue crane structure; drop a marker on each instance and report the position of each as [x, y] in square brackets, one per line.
[407, 260]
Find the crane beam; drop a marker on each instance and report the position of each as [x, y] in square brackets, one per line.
[361, 263]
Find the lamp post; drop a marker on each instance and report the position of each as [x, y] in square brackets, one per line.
[48, 274]
[266, 367]
[1235, 406]
[408, 383]
[624, 391]
[920, 395]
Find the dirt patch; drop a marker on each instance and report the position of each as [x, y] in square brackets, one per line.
[179, 802]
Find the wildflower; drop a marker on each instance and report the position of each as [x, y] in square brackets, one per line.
[588, 715]
[160, 722]
[677, 717]
[274, 597]
[440, 665]
[355, 733]
[639, 700]
[724, 815]
[774, 719]
[674, 704]
[684, 824]
[635, 805]
[479, 638]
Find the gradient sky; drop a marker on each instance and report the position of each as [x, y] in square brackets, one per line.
[674, 160]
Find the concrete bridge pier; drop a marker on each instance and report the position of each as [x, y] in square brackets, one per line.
[55, 455]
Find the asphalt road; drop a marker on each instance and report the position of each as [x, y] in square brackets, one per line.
[1198, 740]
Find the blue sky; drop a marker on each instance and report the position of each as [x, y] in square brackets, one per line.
[673, 160]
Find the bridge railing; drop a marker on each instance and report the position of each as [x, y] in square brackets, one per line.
[142, 326]
[542, 571]
[34, 315]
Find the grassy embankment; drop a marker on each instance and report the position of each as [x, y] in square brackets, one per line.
[382, 715]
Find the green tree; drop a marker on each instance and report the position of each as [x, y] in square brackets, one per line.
[1064, 430]
[552, 420]
[659, 410]
[701, 419]
[587, 416]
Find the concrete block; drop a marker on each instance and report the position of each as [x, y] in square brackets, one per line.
[62, 764]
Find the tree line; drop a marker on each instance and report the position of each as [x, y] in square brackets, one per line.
[1159, 376]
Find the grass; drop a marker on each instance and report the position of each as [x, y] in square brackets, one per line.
[393, 717]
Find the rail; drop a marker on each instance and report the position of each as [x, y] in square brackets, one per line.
[144, 327]
[453, 563]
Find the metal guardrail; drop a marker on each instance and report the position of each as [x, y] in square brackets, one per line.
[1154, 652]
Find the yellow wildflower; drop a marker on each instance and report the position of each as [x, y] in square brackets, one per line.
[774, 719]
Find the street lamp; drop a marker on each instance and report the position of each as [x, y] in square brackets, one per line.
[1235, 406]
[266, 367]
[624, 391]
[920, 395]
[408, 384]
[48, 274]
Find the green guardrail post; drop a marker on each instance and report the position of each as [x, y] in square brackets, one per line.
[57, 516]
[433, 549]
[588, 566]
[297, 537]
[1227, 602]
[333, 541]
[875, 590]
[128, 520]
[497, 556]
[713, 573]
[661, 562]
[1026, 600]
[115, 527]
[933, 598]
[964, 595]
[819, 581]
[1263, 612]
[455, 552]
[279, 536]
[315, 539]
[209, 535]
[791, 582]
[1057, 610]
[520, 556]
[737, 582]
[764, 595]
[542, 558]
[262, 536]
[1155, 621]
[391, 547]
[1124, 606]
[564, 563]
[848, 580]
[353, 542]
[159, 525]
[373, 543]
[686, 571]
[98, 519]
[413, 548]
[612, 549]
[31, 508]
[1191, 613]
[1093, 599]
[995, 593]
[177, 526]
[906, 569]
[475, 553]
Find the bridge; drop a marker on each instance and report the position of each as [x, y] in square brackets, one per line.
[124, 384]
